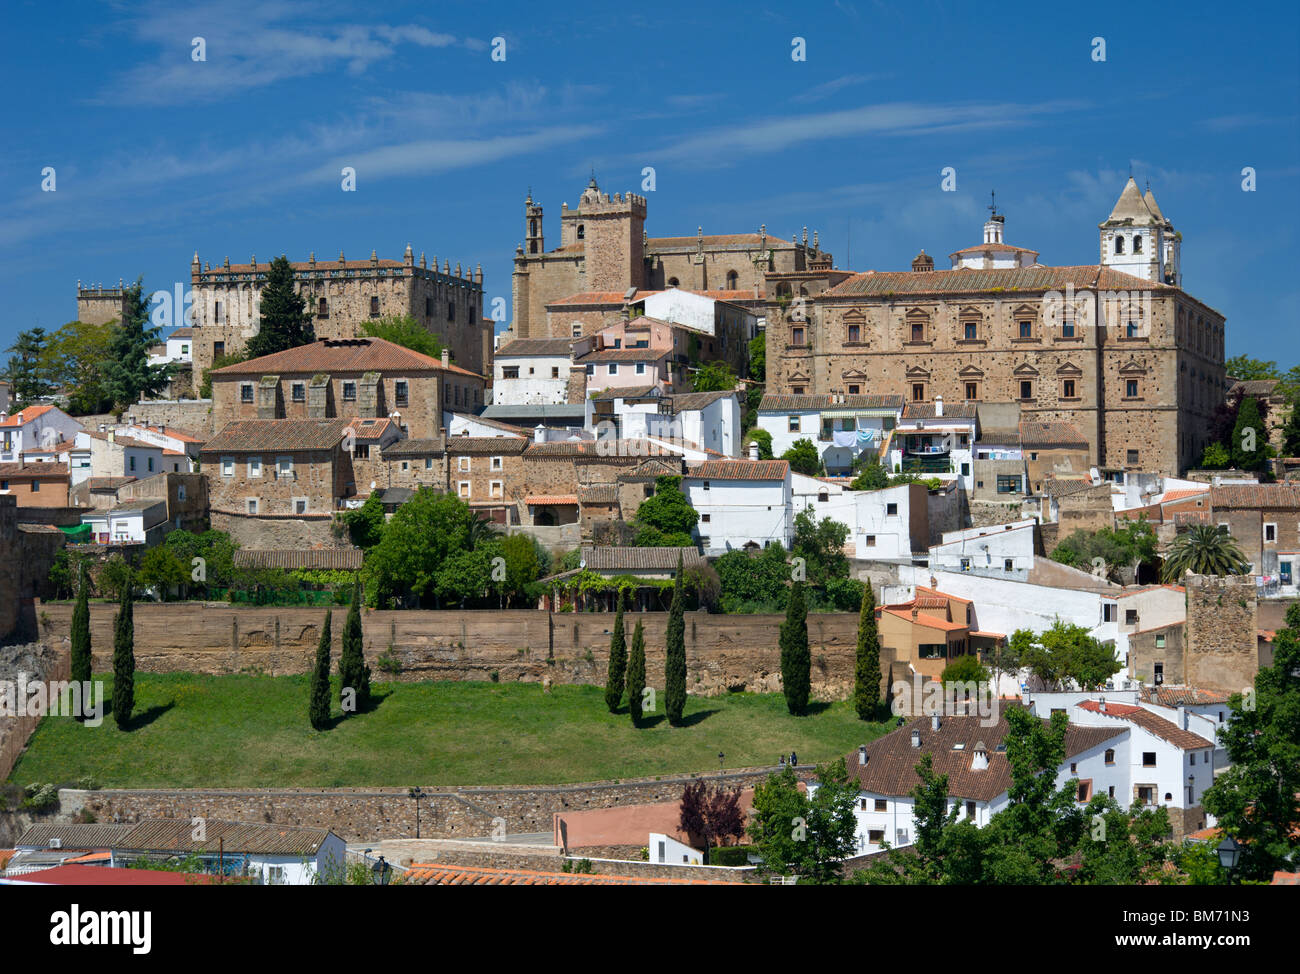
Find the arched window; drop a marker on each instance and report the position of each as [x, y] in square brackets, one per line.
[532, 246]
[672, 282]
[733, 280]
[532, 228]
[582, 232]
[374, 307]
[1119, 245]
[1137, 244]
[823, 496]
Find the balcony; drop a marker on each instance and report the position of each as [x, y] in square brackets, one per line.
[938, 463]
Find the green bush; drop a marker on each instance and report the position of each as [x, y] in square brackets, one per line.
[730, 855]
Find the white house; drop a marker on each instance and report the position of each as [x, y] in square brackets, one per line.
[708, 420]
[713, 316]
[842, 427]
[115, 455]
[277, 855]
[1002, 550]
[742, 503]
[128, 523]
[669, 851]
[34, 428]
[179, 348]
[467, 424]
[973, 756]
[935, 439]
[532, 370]
[180, 450]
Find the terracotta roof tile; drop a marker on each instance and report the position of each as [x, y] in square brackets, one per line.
[615, 558]
[457, 445]
[24, 416]
[446, 874]
[1252, 496]
[278, 434]
[740, 470]
[1161, 728]
[1027, 279]
[331, 559]
[344, 355]
[1034, 433]
[776, 401]
[550, 500]
[33, 471]
[529, 347]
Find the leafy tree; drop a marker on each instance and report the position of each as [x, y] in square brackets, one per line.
[76, 358]
[124, 658]
[758, 358]
[127, 372]
[115, 577]
[1255, 799]
[753, 580]
[353, 671]
[796, 661]
[821, 545]
[1132, 546]
[654, 538]
[1291, 432]
[636, 673]
[675, 662]
[1215, 457]
[667, 512]
[808, 837]
[708, 815]
[415, 556]
[219, 362]
[1131, 850]
[1064, 654]
[866, 670]
[1249, 448]
[714, 377]
[365, 524]
[464, 576]
[1203, 549]
[522, 565]
[764, 440]
[285, 321]
[318, 711]
[1248, 369]
[617, 661]
[161, 568]
[405, 331]
[964, 669]
[81, 658]
[215, 548]
[803, 457]
[28, 369]
[872, 476]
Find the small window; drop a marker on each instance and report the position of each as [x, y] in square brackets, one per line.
[254, 466]
[401, 392]
[1160, 642]
[706, 485]
[970, 331]
[1131, 329]
[705, 518]
[918, 392]
[854, 390]
[796, 336]
[1132, 456]
[972, 390]
[284, 466]
[1008, 564]
[1148, 759]
[882, 805]
[555, 371]
[855, 333]
[451, 310]
[463, 464]
[1008, 483]
[132, 464]
[180, 492]
[613, 368]
[1026, 389]
[1026, 329]
[495, 489]
[36, 486]
[428, 463]
[794, 424]
[1067, 328]
[227, 466]
[252, 505]
[1270, 532]
[576, 331]
[300, 506]
[298, 392]
[1131, 388]
[322, 308]
[918, 333]
[871, 541]
[1110, 755]
[640, 368]
[1130, 617]
[349, 392]
[374, 307]
[246, 392]
[150, 464]
[1067, 389]
[509, 371]
[891, 510]
[497, 463]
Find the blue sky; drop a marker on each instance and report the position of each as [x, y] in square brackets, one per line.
[157, 156]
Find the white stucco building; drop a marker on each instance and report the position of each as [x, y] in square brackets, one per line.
[742, 503]
[842, 427]
[532, 371]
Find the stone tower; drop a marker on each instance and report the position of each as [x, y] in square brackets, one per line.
[1137, 238]
[98, 305]
[534, 241]
[611, 230]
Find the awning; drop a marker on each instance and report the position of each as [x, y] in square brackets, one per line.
[77, 533]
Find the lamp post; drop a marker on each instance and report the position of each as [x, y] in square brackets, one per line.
[1229, 854]
[381, 871]
[721, 758]
[1191, 790]
[417, 794]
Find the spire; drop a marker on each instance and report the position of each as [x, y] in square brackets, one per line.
[1150, 200]
[1130, 207]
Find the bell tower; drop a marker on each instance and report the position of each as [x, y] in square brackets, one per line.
[534, 241]
[1137, 238]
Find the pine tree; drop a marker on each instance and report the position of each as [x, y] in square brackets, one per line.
[675, 661]
[81, 657]
[796, 662]
[1249, 448]
[636, 674]
[866, 675]
[353, 671]
[127, 372]
[319, 709]
[124, 658]
[617, 660]
[285, 322]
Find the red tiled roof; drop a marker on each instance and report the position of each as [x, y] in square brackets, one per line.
[1174, 696]
[85, 875]
[1177, 495]
[591, 297]
[1012, 279]
[24, 416]
[740, 470]
[443, 874]
[551, 499]
[278, 434]
[1250, 496]
[344, 355]
[1281, 878]
[1161, 728]
[1034, 433]
[33, 471]
[768, 241]
[486, 444]
[995, 248]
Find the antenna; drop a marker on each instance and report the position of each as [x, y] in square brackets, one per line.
[993, 205]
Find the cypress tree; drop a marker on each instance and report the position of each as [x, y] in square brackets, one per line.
[675, 663]
[285, 322]
[353, 671]
[1249, 418]
[319, 709]
[81, 658]
[636, 674]
[796, 662]
[866, 675]
[617, 660]
[124, 657]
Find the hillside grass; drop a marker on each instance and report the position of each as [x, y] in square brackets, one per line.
[198, 731]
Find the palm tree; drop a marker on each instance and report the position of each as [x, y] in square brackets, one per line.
[1203, 550]
[480, 529]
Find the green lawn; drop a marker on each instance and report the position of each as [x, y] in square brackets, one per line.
[195, 731]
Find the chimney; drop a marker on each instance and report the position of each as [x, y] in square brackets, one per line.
[916, 738]
[862, 754]
[934, 722]
[1102, 705]
[446, 357]
[938, 405]
[539, 433]
[753, 451]
[980, 759]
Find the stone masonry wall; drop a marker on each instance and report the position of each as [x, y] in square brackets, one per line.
[723, 652]
[1222, 643]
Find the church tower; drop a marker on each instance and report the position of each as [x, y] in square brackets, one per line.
[534, 242]
[1137, 239]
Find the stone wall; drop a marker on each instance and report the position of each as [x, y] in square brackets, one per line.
[723, 652]
[26, 553]
[190, 415]
[280, 532]
[1222, 643]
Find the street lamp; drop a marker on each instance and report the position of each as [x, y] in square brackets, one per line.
[1229, 853]
[721, 757]
[381, 871]
[417, 794]
[1191, 790]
